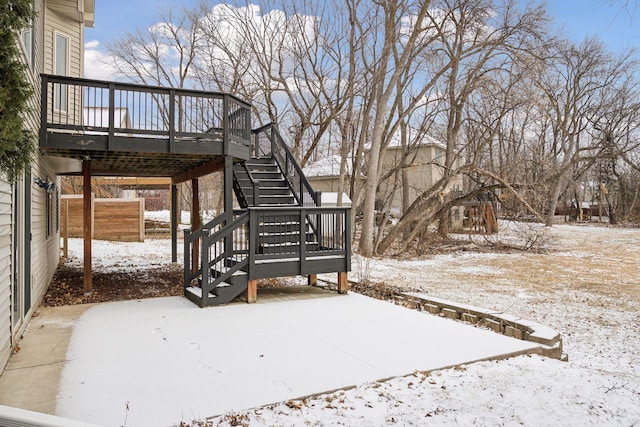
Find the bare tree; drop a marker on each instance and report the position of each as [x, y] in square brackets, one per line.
[575, 86]
[400, 49]
[479, 42]
[162, 54]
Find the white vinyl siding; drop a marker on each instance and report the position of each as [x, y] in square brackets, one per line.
[44, 260]
[6, 232]
[61, 68]
[57, 23]
[45, 249]
[27, 39]
[45, 252]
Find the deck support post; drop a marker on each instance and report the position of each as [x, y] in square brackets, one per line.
[343, 284]
[312, 280]
[252, 291]
[174, 223]
[228, 202]
[87, 226]
[195, 223]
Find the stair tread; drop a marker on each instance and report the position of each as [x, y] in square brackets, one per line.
[223, 269]
[198, 291]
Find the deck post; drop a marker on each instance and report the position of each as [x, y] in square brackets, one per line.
[312, 280]
[87, 223]
[252, 291]
[65, 240]
[174, 223]
[228, 201]
[343, 284]
[195, 223]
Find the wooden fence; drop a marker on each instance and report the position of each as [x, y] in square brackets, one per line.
[113, 219]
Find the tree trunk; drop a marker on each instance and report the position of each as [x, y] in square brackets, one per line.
[370, 187]
[553, 199]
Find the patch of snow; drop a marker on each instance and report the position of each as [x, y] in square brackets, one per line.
[171, 360]
[326, 167]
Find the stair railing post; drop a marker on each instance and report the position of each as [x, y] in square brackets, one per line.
[225, 124]
[318, 202]
[256, 139]
[187, 258]
[44, 109]
[111, 113]
[300, 189]
[303, 241]
[273, 139]
[204, 259]
[172, 119]
[256, 193]
[347, 237]
[253, 238]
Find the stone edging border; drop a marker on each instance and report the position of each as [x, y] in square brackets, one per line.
[502, 323]
[550, 340]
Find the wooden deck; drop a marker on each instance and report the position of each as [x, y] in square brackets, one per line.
[141, 131]
[110, 129]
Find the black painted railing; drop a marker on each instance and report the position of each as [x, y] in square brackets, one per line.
[111, 109]
[223, 250]
[283, 232]
[267, 142]
[260, 239]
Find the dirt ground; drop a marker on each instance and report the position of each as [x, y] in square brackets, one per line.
[597, 260]
[67, 285]
[161, 279]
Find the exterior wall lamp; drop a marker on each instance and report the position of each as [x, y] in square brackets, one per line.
[48, 186]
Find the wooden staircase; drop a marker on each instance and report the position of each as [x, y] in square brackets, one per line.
[260, 182]
[280, 230]
[222, 274]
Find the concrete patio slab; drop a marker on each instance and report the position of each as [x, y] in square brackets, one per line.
[30, 380]
[160, 361]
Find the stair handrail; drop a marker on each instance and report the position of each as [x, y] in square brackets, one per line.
[210, 241]
[190, 236]
[289, 160]
[254, 183]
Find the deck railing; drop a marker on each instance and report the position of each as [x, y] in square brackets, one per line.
[259, 239]
[267, 141]
[193, 239]
[111, 109]
[282, 232]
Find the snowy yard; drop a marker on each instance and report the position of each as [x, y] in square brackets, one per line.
[587, 287]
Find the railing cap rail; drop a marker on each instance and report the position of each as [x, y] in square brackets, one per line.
[105, 84]
[298, 208]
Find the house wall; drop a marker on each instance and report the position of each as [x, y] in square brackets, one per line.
[324, 183]
[422, 174]
[6, 233]
[45, 230]
[56, 22]
[330, 183]
[11, 255]
[38, 233]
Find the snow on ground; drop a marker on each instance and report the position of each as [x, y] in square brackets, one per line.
[109, 257]
[185, 216]
[587, 286]
[172, 361]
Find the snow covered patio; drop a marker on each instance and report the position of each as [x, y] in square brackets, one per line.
[168, 361]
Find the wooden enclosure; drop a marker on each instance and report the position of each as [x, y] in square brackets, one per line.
[113, 219]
